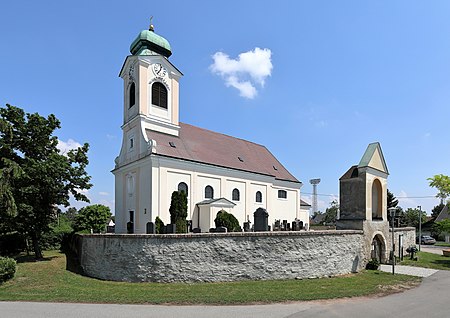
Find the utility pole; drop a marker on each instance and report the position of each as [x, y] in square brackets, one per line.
[420, 225]
[314, 183]
[392, 214]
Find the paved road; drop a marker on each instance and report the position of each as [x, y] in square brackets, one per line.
[433, 249]
[430, 299]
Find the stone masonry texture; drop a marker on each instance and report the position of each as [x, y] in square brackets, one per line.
[221, 256]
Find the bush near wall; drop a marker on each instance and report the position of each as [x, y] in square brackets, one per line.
[227, 220]
[12, 243]
[7, 268]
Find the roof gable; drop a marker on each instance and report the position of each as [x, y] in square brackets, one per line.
[209, 147]
[373, 158]
[444, 214]
[220, 202]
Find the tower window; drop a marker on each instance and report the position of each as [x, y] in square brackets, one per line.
[159, 95]
[183, 187]
[209, 192]
[235, 196]
[282, 194]
[132, 95]
[258, 196]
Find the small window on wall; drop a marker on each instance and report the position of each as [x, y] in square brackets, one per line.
[258, 196]
[282, 194]
[159, 95]
[209, 192]
[131, 143]
[235, 196]
[183, 187]
[132, 95]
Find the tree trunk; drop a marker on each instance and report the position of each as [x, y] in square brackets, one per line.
[37, 249]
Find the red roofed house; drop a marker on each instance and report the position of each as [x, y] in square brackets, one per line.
[160, 155]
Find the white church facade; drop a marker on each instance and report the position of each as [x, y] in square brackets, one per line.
[160, 155]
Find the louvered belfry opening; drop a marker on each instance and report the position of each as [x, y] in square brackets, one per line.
[132, 95]
[159, 95]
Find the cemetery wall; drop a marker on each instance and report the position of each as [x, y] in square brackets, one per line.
[408, 239]
[212, 257]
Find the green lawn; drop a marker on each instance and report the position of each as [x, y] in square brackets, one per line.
[49, 281]
[442, 244]
[429, 260]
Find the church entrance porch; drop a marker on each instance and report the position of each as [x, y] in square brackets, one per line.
[206, 211]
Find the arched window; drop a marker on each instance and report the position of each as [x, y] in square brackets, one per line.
[235, 196]
[159, 95]
[209, 192]
[258, 196]
[132, 95]
[183, 187]
[282, 194]
[376, 200]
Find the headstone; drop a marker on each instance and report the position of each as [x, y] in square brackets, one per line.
[171, 228]
[196, 230]
[151, 228]
[130, 228]
[300, 225]
[212, 230]
[284, 227]
[261, 218]
[288, 226]
[246, 226]
[294, 226]
[276, 226]
[221, 229]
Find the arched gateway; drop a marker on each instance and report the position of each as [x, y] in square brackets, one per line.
[378, 249]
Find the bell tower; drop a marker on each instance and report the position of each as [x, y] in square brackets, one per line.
[363, 201]
[151, 94]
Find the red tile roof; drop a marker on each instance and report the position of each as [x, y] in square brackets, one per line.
[205, 146]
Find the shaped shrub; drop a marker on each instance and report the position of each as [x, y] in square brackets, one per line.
[227, 220]
[7, 268]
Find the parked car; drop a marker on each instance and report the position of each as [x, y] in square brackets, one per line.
[426, 239]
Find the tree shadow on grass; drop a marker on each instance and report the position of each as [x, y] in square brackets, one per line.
[32, 259]
[444, 263]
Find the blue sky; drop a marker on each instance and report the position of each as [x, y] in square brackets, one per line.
[340, 75]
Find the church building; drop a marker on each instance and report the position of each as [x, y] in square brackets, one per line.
[160, 155]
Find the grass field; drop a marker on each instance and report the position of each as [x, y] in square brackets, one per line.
[429, 260]
[442, 244]
[49, 281]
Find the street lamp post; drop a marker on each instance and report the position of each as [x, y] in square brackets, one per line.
[392, 214]
[420, 225]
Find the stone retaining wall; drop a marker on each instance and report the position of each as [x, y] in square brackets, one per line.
[409, 238]
[220, 256]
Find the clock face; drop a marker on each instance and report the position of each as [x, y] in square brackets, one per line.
[159, 70]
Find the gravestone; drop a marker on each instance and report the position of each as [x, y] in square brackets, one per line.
[151, 228]
[261, 220]
[171, 229]
[130, 228]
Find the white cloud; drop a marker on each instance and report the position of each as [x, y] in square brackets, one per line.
[103, 193]
[404, 201]
[244, 72]
[64, 146]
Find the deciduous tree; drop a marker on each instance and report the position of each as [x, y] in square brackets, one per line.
[411, 217]
[44, 177]
[331, 213]
[442, 184]
[93, 217]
